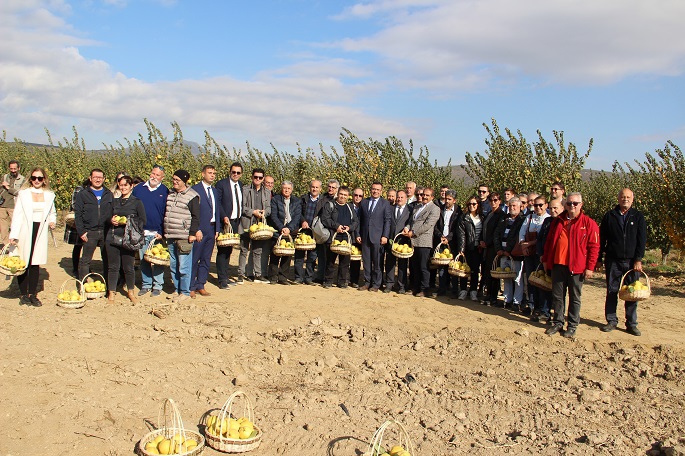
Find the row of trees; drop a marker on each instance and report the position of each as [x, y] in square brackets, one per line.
[509, 160]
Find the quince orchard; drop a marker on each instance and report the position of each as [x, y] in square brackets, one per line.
[239, 429]
[13, 263]
[175, 445]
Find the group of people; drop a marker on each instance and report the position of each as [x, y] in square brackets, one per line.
[517, 232]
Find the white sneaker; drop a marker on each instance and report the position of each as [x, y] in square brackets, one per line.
[463, 294]
[474, 296]
[260, 279]
[182, 297]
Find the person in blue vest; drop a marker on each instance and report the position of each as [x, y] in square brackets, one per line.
[210, 224]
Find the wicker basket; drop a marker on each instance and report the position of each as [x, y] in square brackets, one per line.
[283, 251]
[501, 274]
[345, 250]
[453, 271]
[377, 447]
[72, 304]
[355, 257]
[10, 250]
[636, 295]
[227, 444]
[538, 282]
[173, 425]
[310, 246]
[230, 241]
[262, 234]
[150, 258]
[400, 254]
[94, 294]
[70, 219]
[440, 261]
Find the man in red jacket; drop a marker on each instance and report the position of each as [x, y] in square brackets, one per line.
[571, 252]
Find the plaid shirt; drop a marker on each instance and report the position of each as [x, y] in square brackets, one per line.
[309, 208]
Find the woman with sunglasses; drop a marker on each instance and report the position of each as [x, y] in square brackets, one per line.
[528, 234]
[34, 214]
[469, 234]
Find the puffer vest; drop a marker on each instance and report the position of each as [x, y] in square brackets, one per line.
[177, 217]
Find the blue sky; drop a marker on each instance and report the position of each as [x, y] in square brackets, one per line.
[287, 72]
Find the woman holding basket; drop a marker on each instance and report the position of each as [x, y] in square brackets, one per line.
[34, 214]
[469, 235]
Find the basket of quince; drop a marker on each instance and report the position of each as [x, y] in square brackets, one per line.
[540, 279]
[304, 240]
[636, 291]
[401, 250]
[157, 253]
[11, 263]
[74, 298]
[284, 247]
[343, 247]
[94, 289]
[458, 267]
[261, 231]
[232, 429]
[355, 253]
[441, 255]
[383, 445]
[227, 238]
[499, 272]
[172, 437]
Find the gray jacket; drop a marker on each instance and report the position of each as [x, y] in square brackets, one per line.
[10, 193]
[423, 224]
[250, 196]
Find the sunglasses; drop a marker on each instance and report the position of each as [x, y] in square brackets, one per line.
[358, 196]
[420, 195]
[237, 172]
[258, 177]
[538, 205]
[573, 203]
[37, 178]
[555, 189]
[482, 191]
[158, 166]
[473, 204]
[494, 200]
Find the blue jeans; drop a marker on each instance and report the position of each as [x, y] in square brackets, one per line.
[152, 275]
[181, 269]
[513, 288]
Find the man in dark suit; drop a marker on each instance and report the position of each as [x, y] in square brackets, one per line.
[286, 213]
[374, 231]
[445, 233]
[356, 266]
[400, 217]
[229, 195]
[206, 235]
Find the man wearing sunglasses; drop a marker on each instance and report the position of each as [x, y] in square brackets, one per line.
[256, 208]
[484, 198]
[490, 223]
[229, 195]
[571, 253]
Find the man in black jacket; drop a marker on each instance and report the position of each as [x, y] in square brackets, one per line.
[506, 237]
[229, 192]
[445, 232]
[488, 244]
[622, 237]
[92, 208]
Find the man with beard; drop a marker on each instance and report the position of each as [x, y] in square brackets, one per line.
[11, 184]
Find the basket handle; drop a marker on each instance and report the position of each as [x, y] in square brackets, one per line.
[227, 229]
[460, 254]
[280, 236]
[92, 274]
[6, 249]
[377, 439]
[79, 287]
[438, 249]
[497, 257]
[649, 286]
[176, 420]
[227, 408]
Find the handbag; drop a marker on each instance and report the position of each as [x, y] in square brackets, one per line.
[527, 246]
[183, 246]
[321, 233]
[133, 237]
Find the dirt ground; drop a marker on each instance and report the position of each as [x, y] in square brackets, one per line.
[326, 367]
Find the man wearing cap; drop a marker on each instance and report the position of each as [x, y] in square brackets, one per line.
[181, 223]
[208, 232]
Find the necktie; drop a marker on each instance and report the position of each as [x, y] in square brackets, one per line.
[235, 200]
[211, 201]
[372, 205]
[398, 211]
[287, 211]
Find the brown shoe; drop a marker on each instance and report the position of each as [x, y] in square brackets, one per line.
[373, 289]
[364, 288]
[192, 294]
[132, 296]
[420, 294]
[203, 292]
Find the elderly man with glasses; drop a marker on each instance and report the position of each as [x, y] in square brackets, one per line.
[322, 249]
[420, 229]
[571, 253]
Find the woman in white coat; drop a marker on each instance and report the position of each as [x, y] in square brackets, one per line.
[34, 213]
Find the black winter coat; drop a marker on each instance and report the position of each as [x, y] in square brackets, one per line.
[89, 215]
[623, 243]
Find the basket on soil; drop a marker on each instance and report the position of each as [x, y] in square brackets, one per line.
[387, 442]
[498, 272]
[636, 291]
[11, 263]
[441, 255]
[172, 437]
[157, 253]
[94, 289]
[401, 250]
[227, 238]
[305, 240]
[540, 279]
[70, 219]
[232, 429]
[72, 298]
[261, 231]
[284, 247]
[343, 247]
[458, 267]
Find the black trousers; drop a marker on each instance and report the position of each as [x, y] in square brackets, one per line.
[615, 268]
[95, 239]
[279, 267]
[343, 276]
[373, 267]
[421, 272]
[223, 255]
[28, 281]
[120, 258]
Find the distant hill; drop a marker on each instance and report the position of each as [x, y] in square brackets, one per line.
[459, 173]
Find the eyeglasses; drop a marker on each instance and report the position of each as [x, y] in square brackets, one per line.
[426, 195]
[358, 196]
[473, 204]
[37, 178]
[573, 203]
[555, 189]
[237, 172]
[494, 200]
[539, 204]
[258, 177]
[420, 195]
[482, 191]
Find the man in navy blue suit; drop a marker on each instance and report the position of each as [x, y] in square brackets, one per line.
[285, 216]
[229, 195]
[375, 215]
[206, 235]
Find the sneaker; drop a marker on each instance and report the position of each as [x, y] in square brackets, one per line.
[553, 330]
[155, 293]
[24, 300]
[326, 285]
[35, 302]
[570, 333]
[260, 279]
[143, 291]
[223, 286]
[474, 296]
[633, 330]
[608, 327]
[240, 280]
[463, 294]
[527, 311]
